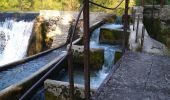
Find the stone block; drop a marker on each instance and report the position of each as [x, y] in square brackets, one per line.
[96, 57]
[57, 90]
[112, 36]
[118, 55]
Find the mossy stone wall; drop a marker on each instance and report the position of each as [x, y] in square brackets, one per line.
[96, 57]
[113, 36]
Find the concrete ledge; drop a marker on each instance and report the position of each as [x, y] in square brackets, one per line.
[57, 90]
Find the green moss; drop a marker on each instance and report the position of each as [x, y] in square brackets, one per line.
[50, 96]
[153, 26]
[118, 55]
[139, 49]
[97, 59]
[110, 36]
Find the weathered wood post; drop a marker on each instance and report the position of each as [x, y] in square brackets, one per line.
[86, 49]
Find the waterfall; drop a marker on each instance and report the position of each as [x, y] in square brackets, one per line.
[14, 37]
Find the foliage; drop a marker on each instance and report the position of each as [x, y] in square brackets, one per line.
[36, 5]
[150, 2]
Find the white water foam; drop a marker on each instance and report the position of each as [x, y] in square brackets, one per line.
[15, 40]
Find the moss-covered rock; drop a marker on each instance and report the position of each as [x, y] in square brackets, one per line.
[158, 26]
[118, 55]
[112, 36]
[96, 57]
[153, 26]
[39, 40]
[110, 19]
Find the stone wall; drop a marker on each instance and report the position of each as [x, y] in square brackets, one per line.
[38, 41]
[158, 26]
[53, 28]
[112, 36]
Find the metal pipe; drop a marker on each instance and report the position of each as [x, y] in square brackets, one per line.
[27, 93]
[137, 29]
[162, 3]
[71, 75]
[86, 49]
[142, 3]
[125, 24]
[106, 7]
[70, 59]
[134, 17]
[143, 36]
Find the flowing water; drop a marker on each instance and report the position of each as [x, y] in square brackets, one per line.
[97, 77]
[14, 37]
[13, 45]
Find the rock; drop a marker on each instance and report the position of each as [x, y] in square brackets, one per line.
[96, 57]
[165, 14]
[57, 90]
[152, 26]
[112, 36]
[38, 41]
[158, 27]
[78, 32]
[110, 19]
[118, 55]
[3, 40]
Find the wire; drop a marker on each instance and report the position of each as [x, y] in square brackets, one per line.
[106, 7]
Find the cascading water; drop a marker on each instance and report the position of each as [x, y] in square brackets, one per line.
[109, 52]
[14, 37]
[97, 77]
